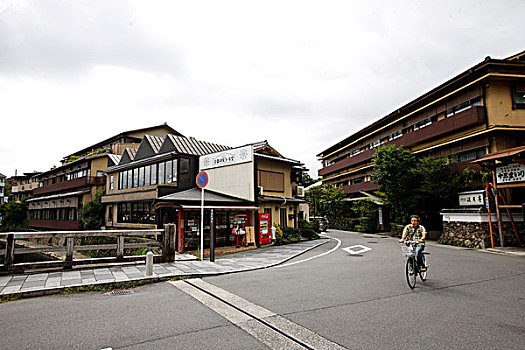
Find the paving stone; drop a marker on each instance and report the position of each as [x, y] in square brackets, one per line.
[4, 281]
[39, 277]
[32, 284]
[12, 289]
[104, 278]
[71, 275]
[19, 278]
[54, 274]
[53, 282]
[66, 283]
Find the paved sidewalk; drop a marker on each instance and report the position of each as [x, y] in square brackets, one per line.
[54, 282]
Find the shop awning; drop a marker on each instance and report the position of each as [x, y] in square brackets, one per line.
[234, 207]
[501, 155]
[192, 197]
[281, 199]
[55, 196]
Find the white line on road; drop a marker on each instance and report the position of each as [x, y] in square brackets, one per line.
[316, 256]
[362, 249]
[274, 331]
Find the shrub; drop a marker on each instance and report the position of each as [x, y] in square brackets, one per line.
[316, 226]
[367, 224]
[309, 233]
[343, 224]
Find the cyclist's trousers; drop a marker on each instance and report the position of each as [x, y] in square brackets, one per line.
[419, 251]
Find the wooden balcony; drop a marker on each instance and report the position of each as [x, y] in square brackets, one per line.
[70, 185]
[470, 117]
[362, 186]
[55, 224]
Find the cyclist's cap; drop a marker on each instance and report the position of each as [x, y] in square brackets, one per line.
[414, 217]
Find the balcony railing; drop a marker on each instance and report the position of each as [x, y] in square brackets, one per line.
[71, 184]
[362, 186]
[470, 117]
[55, 224]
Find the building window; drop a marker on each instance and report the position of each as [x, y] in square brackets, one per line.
[136, 212]
[147, 175]
[130, 179]
[271, 181]
[135, 177]
[161, 173]
[111, 178]
[141, 177]
[518, 96]
[422, 124]
[184, 170]
[283, 217]
[469, 155]
[375, 143]
[169, 171]
[153, 174]
[395, 135]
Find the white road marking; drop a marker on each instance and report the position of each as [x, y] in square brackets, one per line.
[254, 319]
[352, 250]
[316, 256]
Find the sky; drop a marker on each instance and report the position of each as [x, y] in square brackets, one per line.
[301, 74]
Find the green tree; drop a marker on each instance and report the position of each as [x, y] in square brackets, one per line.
[308, 180]
[392, 166]
[436, 187]
[93, 213]
[326, 200]
[14, 216]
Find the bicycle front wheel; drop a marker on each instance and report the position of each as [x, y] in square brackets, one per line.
[423, 274]
[410, 270]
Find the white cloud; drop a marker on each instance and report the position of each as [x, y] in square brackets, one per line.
[302, 74]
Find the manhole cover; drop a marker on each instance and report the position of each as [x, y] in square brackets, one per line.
[120, 292]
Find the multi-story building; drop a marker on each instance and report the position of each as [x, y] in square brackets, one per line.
[23, 185]
[63, 191]
[3, 197]
[156, 185]
[480, 111]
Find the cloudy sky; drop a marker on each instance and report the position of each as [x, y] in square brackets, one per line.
[300, 74]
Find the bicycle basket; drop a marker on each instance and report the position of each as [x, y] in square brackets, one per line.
[408, 250]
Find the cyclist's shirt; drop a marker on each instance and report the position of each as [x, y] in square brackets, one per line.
[414, 233]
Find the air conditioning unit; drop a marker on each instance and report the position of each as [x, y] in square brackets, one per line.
[261, 191]
[300, 191]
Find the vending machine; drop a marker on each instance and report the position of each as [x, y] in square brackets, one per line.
[265, 233]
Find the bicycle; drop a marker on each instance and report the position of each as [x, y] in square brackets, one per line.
[408, 248]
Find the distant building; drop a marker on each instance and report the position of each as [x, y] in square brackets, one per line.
[480, 111]
[23, 185]
[63, 191]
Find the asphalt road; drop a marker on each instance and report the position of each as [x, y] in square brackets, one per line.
[471, 300]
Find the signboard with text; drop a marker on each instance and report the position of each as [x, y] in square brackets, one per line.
[510, 173]
[227, 157]
[475, 198]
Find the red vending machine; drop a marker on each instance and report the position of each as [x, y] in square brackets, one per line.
[265, 233]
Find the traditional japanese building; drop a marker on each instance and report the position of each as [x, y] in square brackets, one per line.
[480, 111]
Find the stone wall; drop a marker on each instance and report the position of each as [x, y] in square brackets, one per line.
[477, 234]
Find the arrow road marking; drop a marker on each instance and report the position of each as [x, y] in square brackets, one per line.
[352, 250]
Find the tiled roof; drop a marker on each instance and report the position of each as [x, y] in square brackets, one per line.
[132, 153]
[155, 142]
[192, 146]
[115, 158]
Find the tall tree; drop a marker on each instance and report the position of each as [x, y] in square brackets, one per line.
[93, 213]
[326, 200]
[392, 166]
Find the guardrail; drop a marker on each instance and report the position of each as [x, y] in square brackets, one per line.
[71, 241]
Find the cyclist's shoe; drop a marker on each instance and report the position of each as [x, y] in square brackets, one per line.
[423, 268]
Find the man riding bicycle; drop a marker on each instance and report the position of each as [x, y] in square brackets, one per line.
[416, 232]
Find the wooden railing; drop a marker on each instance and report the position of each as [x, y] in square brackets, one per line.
[71, 242]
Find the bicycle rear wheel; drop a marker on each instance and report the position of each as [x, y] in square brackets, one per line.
[410, 271]
[423, 274]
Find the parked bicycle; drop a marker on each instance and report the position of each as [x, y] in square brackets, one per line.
[412, 268]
